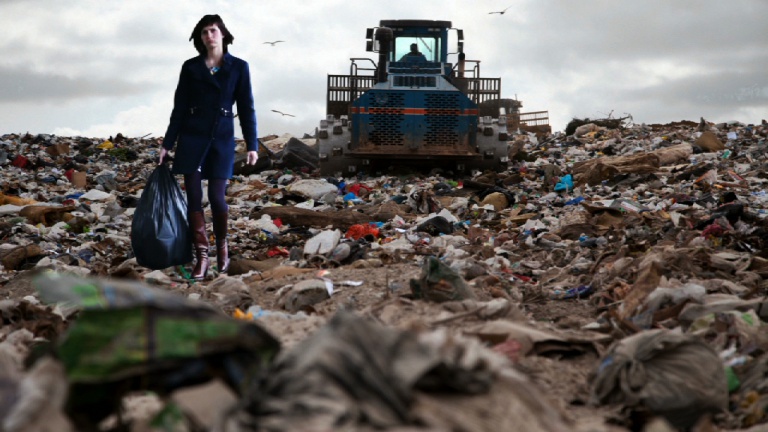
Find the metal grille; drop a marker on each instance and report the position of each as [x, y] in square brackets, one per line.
[428, 68]
[442, 114]
[387, 118]
[414, 81]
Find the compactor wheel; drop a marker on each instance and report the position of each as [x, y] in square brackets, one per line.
[494, 149]
[332, 150]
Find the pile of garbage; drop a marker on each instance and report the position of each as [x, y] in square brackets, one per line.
[611, 279]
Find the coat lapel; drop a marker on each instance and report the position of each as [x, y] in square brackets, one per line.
[205, 73]
[226, 67]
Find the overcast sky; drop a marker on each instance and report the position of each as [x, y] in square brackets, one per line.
[95, 68]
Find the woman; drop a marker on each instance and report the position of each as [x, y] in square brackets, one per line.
[202, 125]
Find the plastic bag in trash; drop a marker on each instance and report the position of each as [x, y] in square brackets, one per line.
[659, 372]
[439, 283]
[160, 234]
[565, 183]
[130, 337]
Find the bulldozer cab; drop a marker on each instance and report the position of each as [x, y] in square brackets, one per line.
[430, 39]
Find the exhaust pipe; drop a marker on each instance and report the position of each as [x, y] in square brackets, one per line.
[384, 36]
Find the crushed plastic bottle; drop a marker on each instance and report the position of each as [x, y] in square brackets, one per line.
[585, 241]
[582, 291]
[574, 201]
[256, 312]
[351, 198]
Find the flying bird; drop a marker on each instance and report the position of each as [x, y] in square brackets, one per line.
[284, 114]
[273, 43]
[500, 12]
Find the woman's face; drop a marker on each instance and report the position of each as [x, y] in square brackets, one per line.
[212, 37]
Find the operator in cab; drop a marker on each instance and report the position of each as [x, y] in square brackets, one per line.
[414, 55]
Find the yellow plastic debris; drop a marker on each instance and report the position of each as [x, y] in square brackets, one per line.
[238, 314]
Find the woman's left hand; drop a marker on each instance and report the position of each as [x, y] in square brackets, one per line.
[253, 156]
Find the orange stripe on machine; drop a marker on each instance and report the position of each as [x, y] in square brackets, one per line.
[413, 111]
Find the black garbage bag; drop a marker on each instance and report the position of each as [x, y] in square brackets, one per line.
[265, 162]
[296, 155]
[662, 373]
[160, 234]
[436, 226]
[496, 189]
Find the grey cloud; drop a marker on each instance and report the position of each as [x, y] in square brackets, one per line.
[724, 91]
[297, 82]
[577, 32]
[656, 59]
[25, 85]
[113, 55]
[145, 31]
[716, 97]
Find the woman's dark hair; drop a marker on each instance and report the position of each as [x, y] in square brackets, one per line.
[205, 22]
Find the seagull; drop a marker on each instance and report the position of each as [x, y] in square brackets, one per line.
[500, 12]
[273, 43]
[282, 113]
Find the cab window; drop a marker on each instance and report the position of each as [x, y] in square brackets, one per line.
[427, 46]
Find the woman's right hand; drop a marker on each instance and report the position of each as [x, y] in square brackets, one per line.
[163, 152]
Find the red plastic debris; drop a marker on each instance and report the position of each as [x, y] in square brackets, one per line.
[359, 230]
[20, 161]
[511, 349]
[713, 230]
[356, 189]
[277, 251]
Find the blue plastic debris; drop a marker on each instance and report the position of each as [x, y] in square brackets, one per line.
[574, 201]
[582, 291]
[566, 183]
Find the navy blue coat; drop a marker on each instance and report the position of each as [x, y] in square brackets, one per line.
[202, 123]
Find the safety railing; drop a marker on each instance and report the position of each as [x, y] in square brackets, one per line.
[535, 118]
[343, 89]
